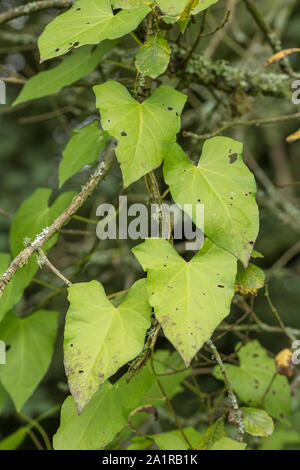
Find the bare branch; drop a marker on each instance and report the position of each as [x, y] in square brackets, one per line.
[97, 176]
[220, 74]
[33, 7]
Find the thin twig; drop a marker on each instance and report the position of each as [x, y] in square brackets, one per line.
[237, 415]
[285, 258]
[32, 7]
[270, 35]
[39, 428]
[170, 406]
[231, 394]
[47, 262]
[260, 403]
[252, 122]
[6, 214]
[275, 311]
[205, 35]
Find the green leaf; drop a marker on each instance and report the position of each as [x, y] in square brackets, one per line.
[141, 129]
[82, 149]
[281, 438]
[30, 342]
[139, 443]
[252, 379]
[104, 416]
[129, 4]
[214, 433]
[3, 397]
[190, 298]
[15, 288]
[250, 279]
[153, 57]
[256, 254]
[173, 9]
[173, 440]
[228, 444]
[87, 22]
[166, 362]
[257, 422]
[71, 69]
[14, 440]
[222, 182]
[32, 217]
[99, 338]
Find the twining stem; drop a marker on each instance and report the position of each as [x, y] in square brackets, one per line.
[231, 394]
[205, 35]
[170, 406]
[267, 390]
[233, 399]
[275, 311]
[39, 428]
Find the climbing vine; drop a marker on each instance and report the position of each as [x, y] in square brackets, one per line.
[130, 352]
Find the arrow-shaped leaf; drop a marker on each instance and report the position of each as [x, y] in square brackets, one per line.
[142, 129]
[222, 182]
[87, 22]
[99, 338]
[190, 298]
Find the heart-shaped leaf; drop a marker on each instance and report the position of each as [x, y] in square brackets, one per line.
[87, 22]
[30, 343]
[190, 298]
[142, 129]
[99, 338]
[222, 182]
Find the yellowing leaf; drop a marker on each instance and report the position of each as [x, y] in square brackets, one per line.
[283, 362]
[293, 137]
[257, 422]
[281, 55]
[175, 10]
[153, 57]
[249, 280]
